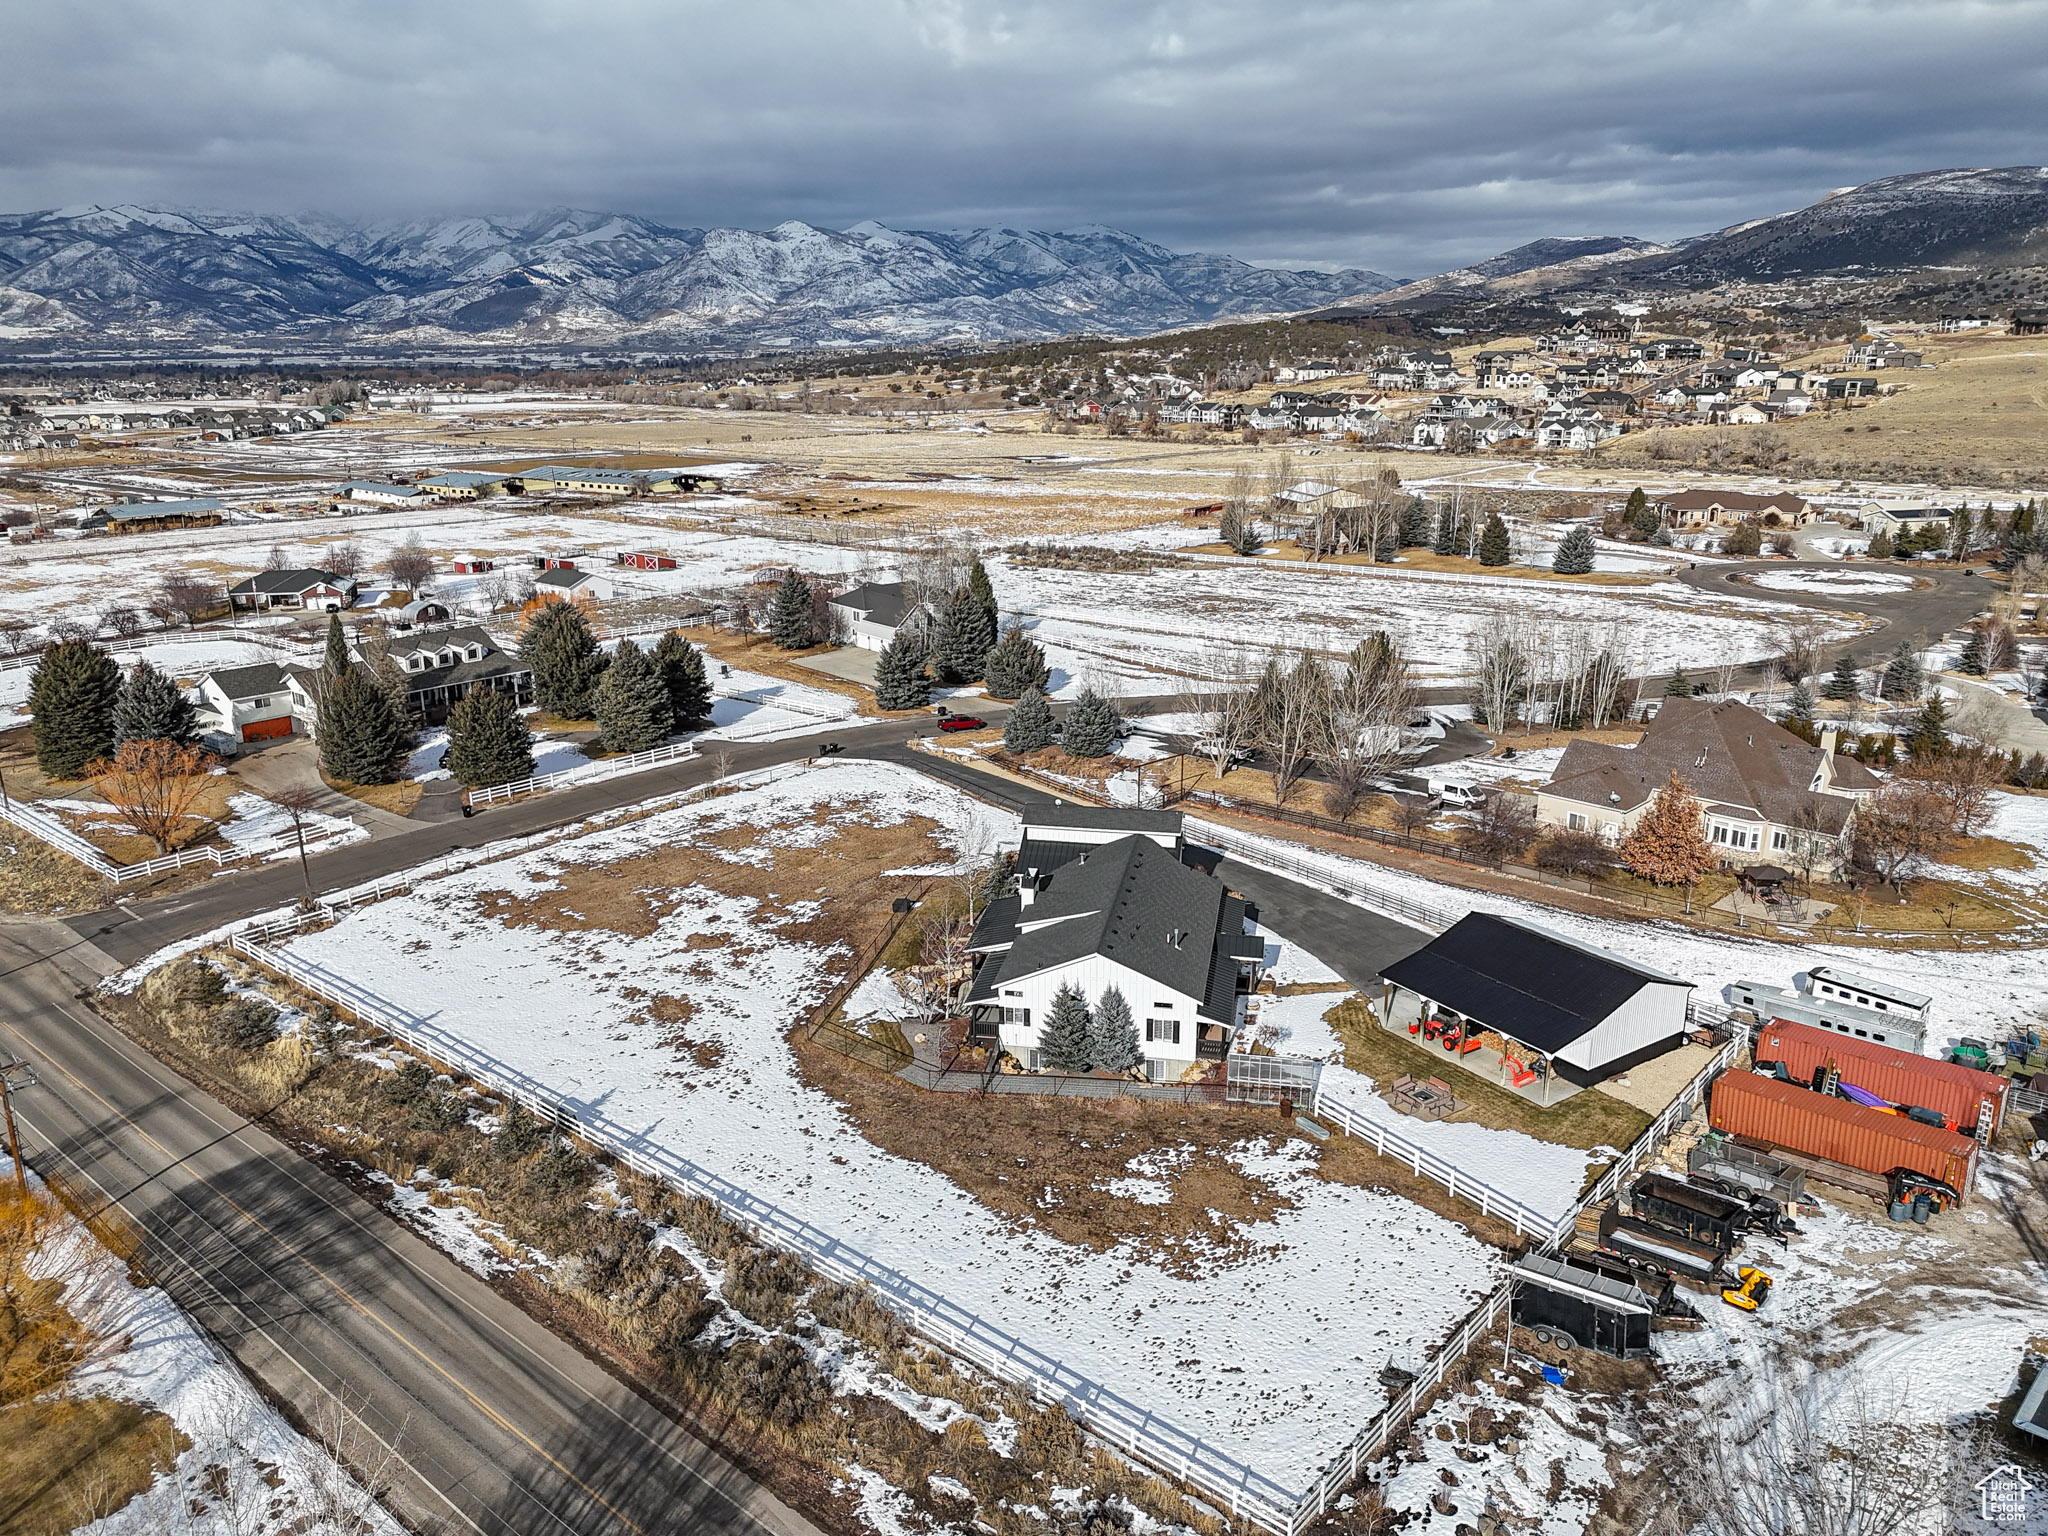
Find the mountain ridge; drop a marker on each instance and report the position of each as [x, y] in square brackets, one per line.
[139, 272]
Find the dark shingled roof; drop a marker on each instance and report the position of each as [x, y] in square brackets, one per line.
[881, 602]
[1534, 986]
[1130, 901]
[286, 583]
[248, 682]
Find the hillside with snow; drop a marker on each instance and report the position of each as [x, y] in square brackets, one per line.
[568, 277]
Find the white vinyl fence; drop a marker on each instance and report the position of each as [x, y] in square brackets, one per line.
[1263, 853]
[1230, 1484]
[595, 772]
[52, 831]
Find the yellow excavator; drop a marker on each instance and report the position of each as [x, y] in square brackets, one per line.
[1750, 1289]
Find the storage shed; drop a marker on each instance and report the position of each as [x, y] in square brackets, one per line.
[1587, 1012]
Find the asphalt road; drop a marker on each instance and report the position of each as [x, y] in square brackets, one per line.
[496, 1424]
[1950, 598]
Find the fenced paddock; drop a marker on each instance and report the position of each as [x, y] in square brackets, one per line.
[50, 830]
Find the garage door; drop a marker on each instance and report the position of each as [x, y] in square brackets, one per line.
[263, 730]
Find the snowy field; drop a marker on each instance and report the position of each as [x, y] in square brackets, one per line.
[1343, 1278]
[247, 1470]
[1167, 620]
[1853, 582]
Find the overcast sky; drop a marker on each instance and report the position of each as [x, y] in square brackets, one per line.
[1403, 137]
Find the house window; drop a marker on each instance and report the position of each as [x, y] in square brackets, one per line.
[1163, 1029]
[1575, 821]
[263, 703]
[1779, 839]
[1021, 1017]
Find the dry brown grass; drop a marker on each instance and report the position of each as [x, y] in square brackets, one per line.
[1042, 1163]
[67, 1461]
[1989, 853]
[36, 879]
[399, 798]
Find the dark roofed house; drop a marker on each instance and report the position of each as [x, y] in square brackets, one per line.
[1726, 508]
[875, 610]
[1768, 796]
[1127, 912]
[443, 665]
[252, 703]
[297, 588]
[1580, 1010]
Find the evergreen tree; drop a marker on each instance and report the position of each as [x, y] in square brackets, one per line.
[900, 680]
[1881, 546]
[983, 591]
[1495, 548]
[1845, 682]
[1929, 736]
[966, 635]
[71, 701]
[1092, 726]
[1972, 661]
[1113, 1034]
[1669, 845]
[1903, 678]
[631, 702]
[1016, 664]
[1640, 515]
[558, 645]
[153, 708]
[1662, 537]
[1030, 724]
[1800, 710]
[1574, 555]
[1447, 532]
[681, 666]
[789, 615]
[1678, 685]
[1063, 1042]
[487, 741]
[336, 659]
[1415, 524]
[362, 739]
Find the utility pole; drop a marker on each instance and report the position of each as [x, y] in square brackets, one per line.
[8, 1069]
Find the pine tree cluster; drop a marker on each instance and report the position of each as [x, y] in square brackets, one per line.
[1015, 665]
[487, 740]
[152, 707]
[558, 645]
[631, 702]
[900, 679]
[1030, 726]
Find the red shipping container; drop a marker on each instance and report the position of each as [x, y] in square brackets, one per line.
[1787, 1115]
[1962, 1093]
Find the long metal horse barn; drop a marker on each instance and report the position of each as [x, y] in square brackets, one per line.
[1543, 1014]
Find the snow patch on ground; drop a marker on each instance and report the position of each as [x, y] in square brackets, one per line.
[1844, 583]
[1342, 1276]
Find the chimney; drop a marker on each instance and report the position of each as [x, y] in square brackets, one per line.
[1827, 740]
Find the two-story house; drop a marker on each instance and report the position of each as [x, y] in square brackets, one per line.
[1107, 898]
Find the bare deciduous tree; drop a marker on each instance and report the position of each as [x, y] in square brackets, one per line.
[152, 786]
[409, 566]
[186, 597]
[344, 559]
[1501, 650]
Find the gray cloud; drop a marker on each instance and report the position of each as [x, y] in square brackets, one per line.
[1400, 135]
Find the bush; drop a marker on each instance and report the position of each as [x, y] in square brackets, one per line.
[558, 1170]
[765, 1283]
[246, 1023]
[519, 1136]
[1566, 852]
[781, 1388]
[1743, 539]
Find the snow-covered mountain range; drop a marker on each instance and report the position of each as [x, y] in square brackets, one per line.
[568, 278]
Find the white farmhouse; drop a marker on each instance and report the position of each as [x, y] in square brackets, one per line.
[875, 610]
[1105, 898]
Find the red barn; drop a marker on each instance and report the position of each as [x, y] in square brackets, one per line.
[647, 561]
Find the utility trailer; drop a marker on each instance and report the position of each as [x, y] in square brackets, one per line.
[1690, 1263]
[1721, 1163]
[1569, 1305]
[1706, 1215]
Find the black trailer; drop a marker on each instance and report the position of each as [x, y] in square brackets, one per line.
[1701, 1214]
[1569, 1306]
[1696, 1265]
